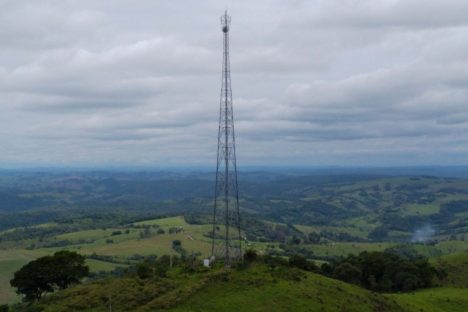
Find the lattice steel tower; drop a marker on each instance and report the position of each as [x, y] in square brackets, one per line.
[226, 242]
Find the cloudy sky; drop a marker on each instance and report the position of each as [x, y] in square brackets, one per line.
[332, 82]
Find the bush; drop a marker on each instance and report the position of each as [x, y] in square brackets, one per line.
[274, 262]
[250, 255]
[301, 262]
[145, 269]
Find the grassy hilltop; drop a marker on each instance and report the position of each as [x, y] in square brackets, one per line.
[257, 288]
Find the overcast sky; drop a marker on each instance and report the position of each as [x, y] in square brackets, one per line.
[349, 82]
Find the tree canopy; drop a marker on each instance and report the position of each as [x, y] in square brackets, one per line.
[48, 273]
[382, 271]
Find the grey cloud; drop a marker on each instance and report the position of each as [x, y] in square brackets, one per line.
[331, 82]
[408, 13]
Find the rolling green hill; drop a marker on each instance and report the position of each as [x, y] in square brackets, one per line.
[456, 266]
[116, 219]
[257, 288]
[109, 248]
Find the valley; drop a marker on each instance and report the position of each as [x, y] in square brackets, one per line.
[117, 220]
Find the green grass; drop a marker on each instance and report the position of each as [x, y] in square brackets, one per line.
[87, 234]
[253, 289]
[434, 300]
[344, 249]
[452, 246]
[124, 246]
[257, 290]
[456, 266]
[418, 209]
[166, 222]
[456, 259]
[98, 265]
[351, 230]
[11, 261]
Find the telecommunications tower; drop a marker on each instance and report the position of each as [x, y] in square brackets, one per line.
[226, 241]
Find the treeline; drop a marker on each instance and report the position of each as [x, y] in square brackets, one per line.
[382, 271]
[376, 271]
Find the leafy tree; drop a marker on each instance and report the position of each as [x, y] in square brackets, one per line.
[48, 273]
[34, 279]
[69, 267]
[349, 273]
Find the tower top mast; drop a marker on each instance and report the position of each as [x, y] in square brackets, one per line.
[225, 22]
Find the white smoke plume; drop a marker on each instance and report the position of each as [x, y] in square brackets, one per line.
[423, 234]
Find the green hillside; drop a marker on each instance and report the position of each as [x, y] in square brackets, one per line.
[254, 289]
[257, 288]
[123, 245]
[434, 300]
[456, 266]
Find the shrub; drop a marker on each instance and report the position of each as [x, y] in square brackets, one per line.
[274, 262]
[145, 270]
[250, 255]
[301, 262]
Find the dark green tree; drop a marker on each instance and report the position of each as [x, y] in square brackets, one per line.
[48, 273]
[34, 279]
[347, 272]
[69, 268]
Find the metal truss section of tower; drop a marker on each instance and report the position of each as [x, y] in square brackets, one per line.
[226, 240]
